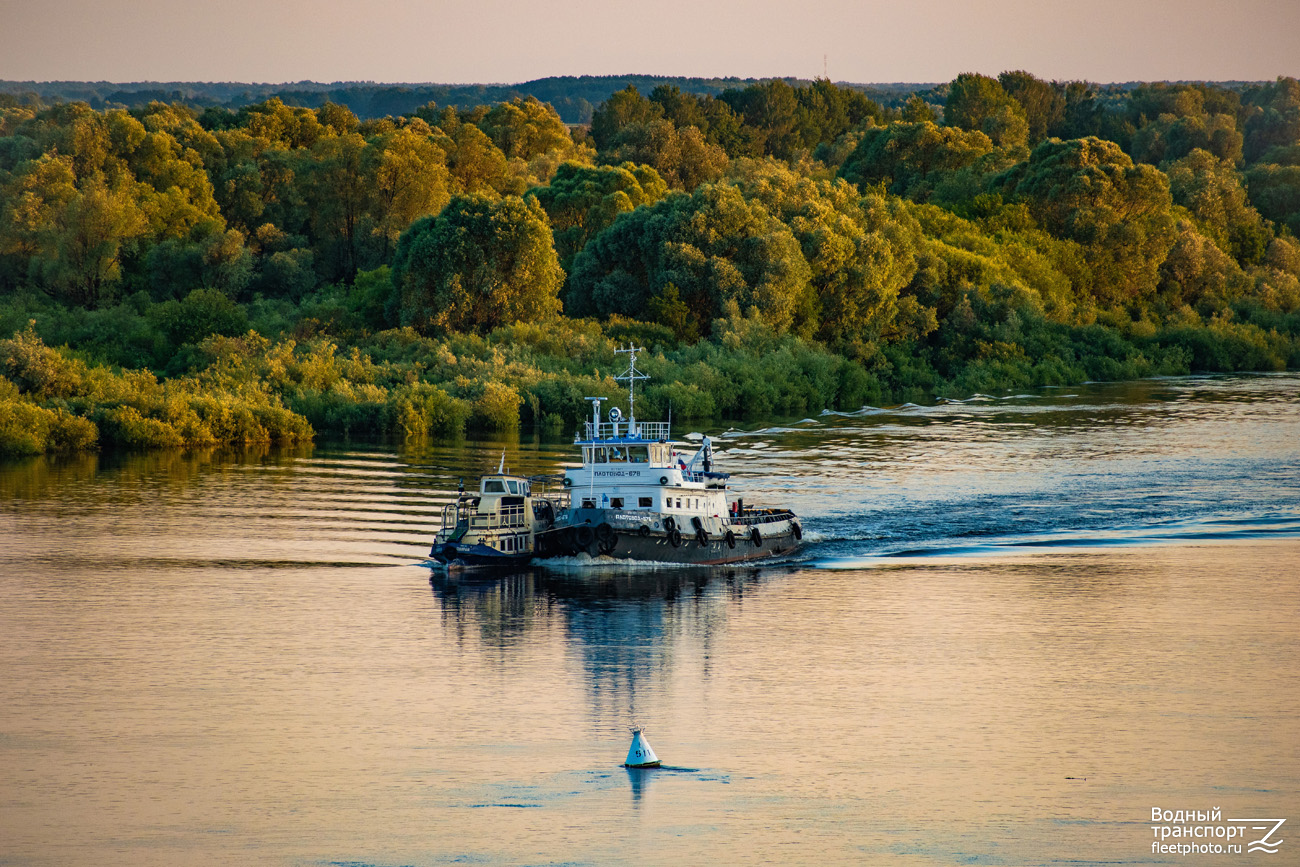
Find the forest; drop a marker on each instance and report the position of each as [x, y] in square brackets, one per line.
[181, 275]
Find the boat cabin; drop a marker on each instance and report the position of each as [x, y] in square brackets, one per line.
[500, 516]
[633, 467]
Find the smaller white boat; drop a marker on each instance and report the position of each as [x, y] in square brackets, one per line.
[499, 525]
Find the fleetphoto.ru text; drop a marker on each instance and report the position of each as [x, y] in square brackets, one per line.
[1206, 832]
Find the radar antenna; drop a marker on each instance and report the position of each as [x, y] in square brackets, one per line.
[631, 375]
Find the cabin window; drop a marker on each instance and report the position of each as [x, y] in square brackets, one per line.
[617, 455]
[645, 502]
[638, 454]
[510, 544]
[588, 504]
[598, 455]
[493, 486]
[616, 503]
[513, 486]
[679, 502]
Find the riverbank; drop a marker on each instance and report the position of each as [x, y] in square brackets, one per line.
[248, 388]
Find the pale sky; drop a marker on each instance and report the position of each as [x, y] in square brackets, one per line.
[456, 41]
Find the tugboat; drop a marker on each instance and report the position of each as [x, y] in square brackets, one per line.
[497, 527]
[637, 496]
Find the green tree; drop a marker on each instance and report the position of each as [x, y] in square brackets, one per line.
[202, 312]
[622, 109]
[582, 201]
[525, 128]
[1171, 138]
[337, 191]
[1089, 191]
[79, 241]
[916, 110]
[1273, 119]
[410, 181]
[1042, 102]
[479, 166]
[1211, 190]
[1275, 191]
[911, 159]
[208, 258]
[861, 252]
[477, 265]
[712, 246]
[338, 119]
[279, 125]
[682, 157]
[978, 102]
[771, 111]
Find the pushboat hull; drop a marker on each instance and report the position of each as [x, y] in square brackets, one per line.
[457, 554]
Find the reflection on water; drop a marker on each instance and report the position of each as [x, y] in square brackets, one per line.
[240, 656]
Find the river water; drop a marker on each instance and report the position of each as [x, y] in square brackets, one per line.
[1021, 623]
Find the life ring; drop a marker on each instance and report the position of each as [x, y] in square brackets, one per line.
[568, 482]
[731, 539]
[670, 524]
[583, 536]
[604, 532]
[702, 537]
[755, 537]
[798, 531]
[675, 537]
[606, 546]
[663, 480]
[643, 531]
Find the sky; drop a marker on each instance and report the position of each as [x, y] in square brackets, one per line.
[506, 41]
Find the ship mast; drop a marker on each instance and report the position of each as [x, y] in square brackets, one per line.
[631, 375]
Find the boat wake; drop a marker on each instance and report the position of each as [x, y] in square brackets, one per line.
[583, 562]
[852, 550]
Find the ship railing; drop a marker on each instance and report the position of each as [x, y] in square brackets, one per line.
[712, 480]
[506, 516]
[559, 499]
[542, 489]
[761, 516]
[649, 431]
[455, 523]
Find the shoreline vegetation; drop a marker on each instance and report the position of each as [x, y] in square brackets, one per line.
[179, 275]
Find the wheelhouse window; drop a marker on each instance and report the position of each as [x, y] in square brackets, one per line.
[513, 486]
[598, 455]
[638, 455]
[493, 486]
[617, 455]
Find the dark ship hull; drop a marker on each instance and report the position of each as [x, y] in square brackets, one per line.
[696, 547]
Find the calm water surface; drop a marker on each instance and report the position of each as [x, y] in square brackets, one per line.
[1023, 623]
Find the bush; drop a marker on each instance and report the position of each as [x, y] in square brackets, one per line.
[497, 408]
[125, 426]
